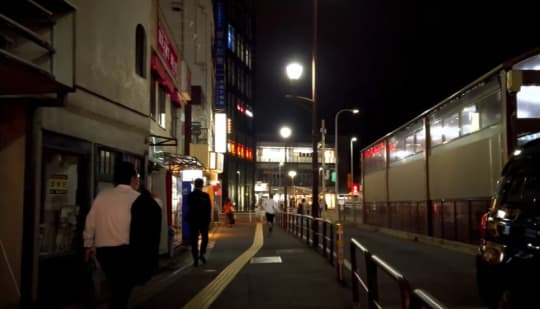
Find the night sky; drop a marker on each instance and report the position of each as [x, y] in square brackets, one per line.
[391, 59]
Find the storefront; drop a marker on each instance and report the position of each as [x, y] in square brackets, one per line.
[67, 191]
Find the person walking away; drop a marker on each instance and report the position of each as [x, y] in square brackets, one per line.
[144, 236]
[260, 210]
[304, 207]
[198, 217]
[270, 208]
[107, 233]
[228, 209]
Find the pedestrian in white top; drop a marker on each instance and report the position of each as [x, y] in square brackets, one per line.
[270, 208]
[107, 230]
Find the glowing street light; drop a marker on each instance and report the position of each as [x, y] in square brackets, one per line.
[294, 70]
[336, 143]
[292, 174]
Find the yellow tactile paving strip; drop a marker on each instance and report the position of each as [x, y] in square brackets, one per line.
[210, 293]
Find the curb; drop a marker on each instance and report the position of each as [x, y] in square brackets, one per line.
[443, 243]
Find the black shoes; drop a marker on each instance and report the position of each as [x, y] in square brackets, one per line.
[196, 263]
[203, 259]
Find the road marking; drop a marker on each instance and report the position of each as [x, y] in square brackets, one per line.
[210, 293]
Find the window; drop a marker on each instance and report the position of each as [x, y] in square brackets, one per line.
[490, 109]
[161, 114]
[528, 102]
[140, 51]
[375, 158]
[436, 132]
[451, 127]
[470, 119]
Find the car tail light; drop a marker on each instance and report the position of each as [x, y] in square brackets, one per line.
[483, 227]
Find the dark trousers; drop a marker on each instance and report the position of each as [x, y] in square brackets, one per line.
[195, 231]
[116, 264]
[270, 218]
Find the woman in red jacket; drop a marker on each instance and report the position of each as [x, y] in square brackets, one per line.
[228, 209]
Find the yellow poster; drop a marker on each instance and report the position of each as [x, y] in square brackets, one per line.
[57, 184]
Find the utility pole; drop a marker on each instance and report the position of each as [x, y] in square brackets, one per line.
[323, 159]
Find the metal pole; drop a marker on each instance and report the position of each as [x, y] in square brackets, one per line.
[323, 147]
[285, 180]
[352, 161]
[314, 159]
[336, 157]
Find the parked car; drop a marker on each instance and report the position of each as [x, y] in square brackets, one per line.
[508, 262]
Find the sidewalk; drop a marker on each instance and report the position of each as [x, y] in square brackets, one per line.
[284, 273]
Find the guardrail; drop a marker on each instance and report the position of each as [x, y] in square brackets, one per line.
[325, 238]
[408, 298]
[302, 227]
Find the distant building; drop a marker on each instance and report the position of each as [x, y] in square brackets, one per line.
[275, 161]
[234, 101]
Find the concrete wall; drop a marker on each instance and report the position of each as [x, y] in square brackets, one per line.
[106, 49]
[375, 187]
[407, 181]
[466, 168]
[12, 161]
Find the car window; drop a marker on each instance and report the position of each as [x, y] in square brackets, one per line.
[520, 190]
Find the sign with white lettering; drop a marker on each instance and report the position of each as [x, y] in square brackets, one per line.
[166, 50]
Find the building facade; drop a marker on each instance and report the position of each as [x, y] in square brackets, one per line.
[286, 171]
[234, 103]
[436, 174]
[69, 115]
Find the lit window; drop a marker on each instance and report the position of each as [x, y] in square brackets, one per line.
[528, 102]
[162, 104]
[470, 119]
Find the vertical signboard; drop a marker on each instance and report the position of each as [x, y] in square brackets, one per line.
[220, 54]
[220, 132]
[186, 189]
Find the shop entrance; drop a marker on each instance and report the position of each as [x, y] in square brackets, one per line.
[64, 204]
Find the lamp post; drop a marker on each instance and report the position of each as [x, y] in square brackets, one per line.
[292, 174]
[353, 139]
[237, 206]
[285, 133]
[336, 154]
[294, 71]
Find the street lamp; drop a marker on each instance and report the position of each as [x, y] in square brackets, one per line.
[336, 154]
[285, 133]
[353, 139]
[294, 71]
[313, 100]
[292, 174]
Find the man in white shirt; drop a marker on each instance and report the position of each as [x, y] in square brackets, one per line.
[107, 230]
[270, 208]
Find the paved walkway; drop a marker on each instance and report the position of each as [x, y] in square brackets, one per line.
[248, 267]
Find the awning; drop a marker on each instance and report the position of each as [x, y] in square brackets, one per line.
[156, 140]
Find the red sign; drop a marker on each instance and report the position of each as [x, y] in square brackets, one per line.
[167, 51]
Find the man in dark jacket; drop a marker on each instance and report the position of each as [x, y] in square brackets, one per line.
[198, 217]
[145, 234]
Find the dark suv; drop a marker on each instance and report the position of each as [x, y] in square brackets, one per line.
[508, 262]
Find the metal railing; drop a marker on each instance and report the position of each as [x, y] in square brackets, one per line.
[370, 285]
[302, 227]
